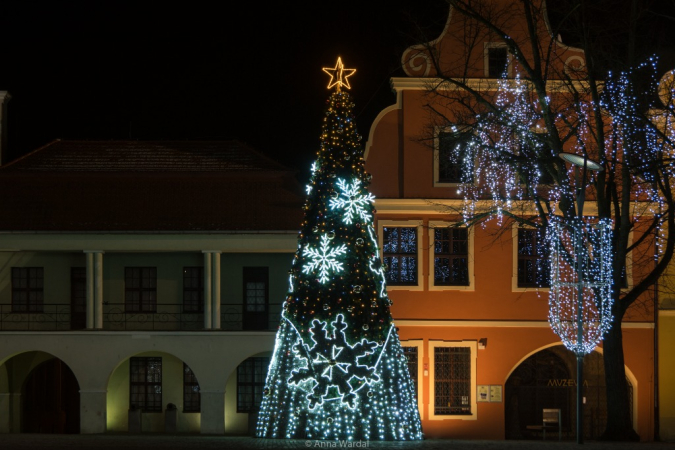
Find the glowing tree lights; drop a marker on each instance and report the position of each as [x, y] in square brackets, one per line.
[338, 370]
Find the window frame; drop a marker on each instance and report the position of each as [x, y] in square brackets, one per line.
[265, 362]
[487, 46]
[140, 290]
[515, 284]
[473, 346]
[433, 225]
[189, 384]
[189, 290]
[419, 344]
[437, 159]
[417, 224]
[146, 361]
[25, 308]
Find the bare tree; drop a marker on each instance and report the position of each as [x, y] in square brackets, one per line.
[553, 99]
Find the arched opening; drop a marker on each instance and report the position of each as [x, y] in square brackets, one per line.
[153, 392]
[50, 399]
[547, 379]
[243, 394]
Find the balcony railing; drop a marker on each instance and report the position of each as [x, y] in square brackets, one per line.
[117, 317]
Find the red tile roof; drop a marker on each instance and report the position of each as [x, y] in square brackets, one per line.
[126, 186]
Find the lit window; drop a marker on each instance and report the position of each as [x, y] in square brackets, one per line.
[533, 259]
[451, 256]
[27, 289]
[145, 383]
[400, 255]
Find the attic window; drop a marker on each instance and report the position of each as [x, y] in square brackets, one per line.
[496, 60]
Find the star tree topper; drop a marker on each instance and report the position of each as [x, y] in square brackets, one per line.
[339, 75]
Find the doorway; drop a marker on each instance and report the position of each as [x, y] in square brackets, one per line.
[50, 400]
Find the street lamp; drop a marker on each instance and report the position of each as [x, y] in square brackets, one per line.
[580, 295]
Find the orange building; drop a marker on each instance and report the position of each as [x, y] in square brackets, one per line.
[465, 300]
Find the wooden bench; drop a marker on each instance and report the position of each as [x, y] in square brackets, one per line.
[551, 421]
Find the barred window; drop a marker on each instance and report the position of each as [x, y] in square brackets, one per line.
[533, 259]
[140, 286]
[451, 257]
[251, 376]
[27, 289]
[193, 289]
[191, 396]
[145, 383]
[400, 255]
[452, 380]
[411, 355]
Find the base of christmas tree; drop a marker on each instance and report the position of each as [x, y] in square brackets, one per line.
[362, 391]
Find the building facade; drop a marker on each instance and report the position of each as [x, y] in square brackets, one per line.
[141, 285]
[469, 302]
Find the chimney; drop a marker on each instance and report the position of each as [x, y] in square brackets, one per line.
[4, 98]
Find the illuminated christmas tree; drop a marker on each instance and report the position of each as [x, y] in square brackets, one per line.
[338, 369]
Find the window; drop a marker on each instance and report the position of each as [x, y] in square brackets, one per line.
[411, 355]
[451, 256]
[256, 298]
[251, 376]
[414, 353]
[191, 397]
[496, 60]
[400, 250]
[27, 289]
[140, 285]
[533, 259]
[453, 380]
[193, 289]
[145, 383]
[454, 156]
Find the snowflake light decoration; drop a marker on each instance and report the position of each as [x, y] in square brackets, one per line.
[352, 201]
[324, 259]
[332, 363]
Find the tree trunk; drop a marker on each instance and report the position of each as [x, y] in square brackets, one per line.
[619, 424]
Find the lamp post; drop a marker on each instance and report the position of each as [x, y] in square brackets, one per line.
[581, 165]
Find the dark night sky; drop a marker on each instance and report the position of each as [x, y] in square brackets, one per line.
[146, 70]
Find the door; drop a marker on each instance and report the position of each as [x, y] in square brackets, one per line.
[78, 298]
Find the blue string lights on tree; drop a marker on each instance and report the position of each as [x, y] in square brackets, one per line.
[338, 371]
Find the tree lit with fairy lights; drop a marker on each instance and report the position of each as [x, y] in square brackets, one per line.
[338, 371]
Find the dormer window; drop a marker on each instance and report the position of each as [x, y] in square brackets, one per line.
[496, 60]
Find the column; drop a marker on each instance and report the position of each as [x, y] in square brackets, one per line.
[90, 290]
[94, 289]
[93, 411]
[215, 278]
[207, 290]
[7, 400]
[213, 412]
